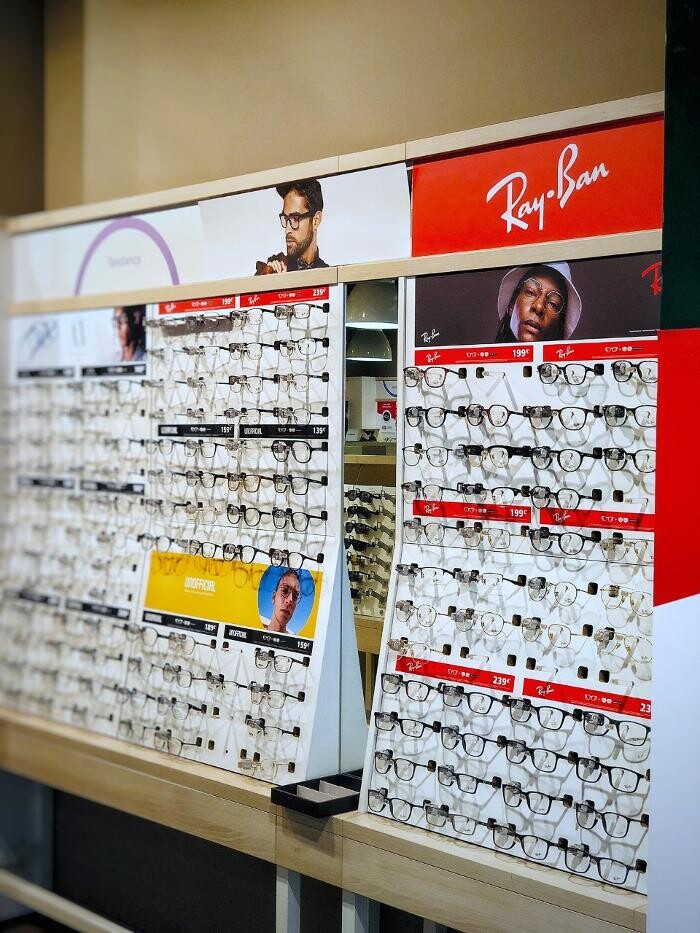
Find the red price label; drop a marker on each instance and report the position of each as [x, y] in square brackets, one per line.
[221, 302]
[479, 356]
[478, 511]
[318, 293]
[562, 353]
[587, 697]
[597, 518]
[456, 673]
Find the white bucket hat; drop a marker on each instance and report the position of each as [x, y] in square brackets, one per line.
[573, 299]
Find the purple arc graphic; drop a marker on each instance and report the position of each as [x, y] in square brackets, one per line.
[128, 223]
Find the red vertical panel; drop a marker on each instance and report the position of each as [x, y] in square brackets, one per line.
[677, 547]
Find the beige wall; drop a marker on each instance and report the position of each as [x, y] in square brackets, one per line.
[181, 91]
[21, 107]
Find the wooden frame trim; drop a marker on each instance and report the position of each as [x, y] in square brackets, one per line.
[613, 111]
[409, 868]
[52, 905]
[584, 248]
[528, 127]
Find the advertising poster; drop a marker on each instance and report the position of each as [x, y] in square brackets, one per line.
[309, 223]
[616, 296]
[604, 180]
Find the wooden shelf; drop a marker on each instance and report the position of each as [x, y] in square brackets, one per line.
[388, 460]
[461, 886]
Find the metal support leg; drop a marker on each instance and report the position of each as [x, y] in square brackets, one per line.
[287, 901]
[359, 914]
[430, 926]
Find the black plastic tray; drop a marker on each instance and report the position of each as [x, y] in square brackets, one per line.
[288, 795]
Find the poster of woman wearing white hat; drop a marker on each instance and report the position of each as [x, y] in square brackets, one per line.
[580, 299]
[537, 303]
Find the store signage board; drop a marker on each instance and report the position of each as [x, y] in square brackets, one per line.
[593, 182]
[355, 217]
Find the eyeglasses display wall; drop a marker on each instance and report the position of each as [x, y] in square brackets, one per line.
[370, 529]
[172, 523]
[512, 708]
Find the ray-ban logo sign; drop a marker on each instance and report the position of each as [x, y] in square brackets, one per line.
[568, 181]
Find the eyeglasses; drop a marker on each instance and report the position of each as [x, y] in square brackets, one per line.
[414, 689]
[536, 801]
[432, 377]
[647, 371]
[414, 530]
[472, 745]
[623, 779]
[481, 582]
[628, 731]
[281, 663]
[435, 416]
[568, 542]
[614, 596]
[257, 727]
[297, 380]
[299, 312]
[558, 635]
[362, 494]
[165, 741]
[170, 673]
[571, 418]
[414, 728]
[543, 759]
[614, 824]
[542, 497]
[616, 547]
[616, 458]
[464, 620]
[295, 218]
[414, 649]
[301, 451]
[251, 482]
[564, 592]
[573, 373]
[361, 528]
[436, 456]
[415, 489]
[281, 518]
[264, 768]
[578, 859]
[178, 642]
[404, 768]
[608, 640]
[250, 384]
[401, 810]
[532, 290]
[307, 346]
[468, 784]
[275, 699]
[440, 815]
[506, 836]
[283, 415]
[521, 710]
[453, 694]
[617, 415]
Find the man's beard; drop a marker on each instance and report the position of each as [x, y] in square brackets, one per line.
[298, 248]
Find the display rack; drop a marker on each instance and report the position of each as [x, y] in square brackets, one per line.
[450, 883]
[409, 868]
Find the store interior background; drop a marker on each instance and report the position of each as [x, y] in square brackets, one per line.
[104, 99]
[107, 98]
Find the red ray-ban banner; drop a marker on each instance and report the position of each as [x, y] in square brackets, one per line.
[589, 183]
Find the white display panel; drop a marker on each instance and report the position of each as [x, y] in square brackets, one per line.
[173, 525]
[513, 704]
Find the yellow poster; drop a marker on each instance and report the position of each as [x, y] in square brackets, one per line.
[255, 596]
